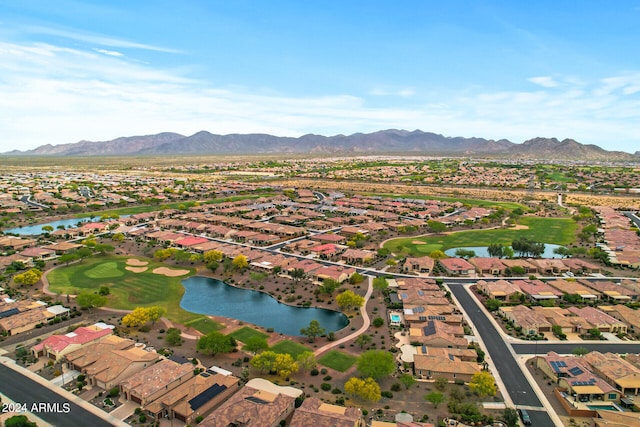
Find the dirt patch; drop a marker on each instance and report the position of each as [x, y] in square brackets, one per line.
[136, 269]
[518, 227]
[136, 262]
[169, 272]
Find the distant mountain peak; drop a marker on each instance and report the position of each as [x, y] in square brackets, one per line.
[392, 141]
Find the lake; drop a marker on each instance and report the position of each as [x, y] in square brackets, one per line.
[36, 229]
[481, 251]
[205, 295]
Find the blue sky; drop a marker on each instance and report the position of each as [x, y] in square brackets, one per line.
[73, 70]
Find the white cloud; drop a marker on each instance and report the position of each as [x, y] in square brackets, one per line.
[52, 94]
[109, 52]
[544, 81]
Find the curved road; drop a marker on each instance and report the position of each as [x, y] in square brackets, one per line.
[365, 323]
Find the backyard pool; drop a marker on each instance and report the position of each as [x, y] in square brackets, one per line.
[214, 297]
[609, 407]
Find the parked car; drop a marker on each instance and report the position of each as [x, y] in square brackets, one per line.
[524, 416]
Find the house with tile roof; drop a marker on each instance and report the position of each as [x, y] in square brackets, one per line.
[55, 347]
[258, 404]
[315, 412]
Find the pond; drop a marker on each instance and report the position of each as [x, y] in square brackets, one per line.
[214, 297]
[36, 229]
[481, 251]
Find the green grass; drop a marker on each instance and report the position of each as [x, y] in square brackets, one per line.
[559, 231]
[471, 202]
[337, 360]
[246, 333]
[129, 290]
[290, 347]
[107, 270]
[204, 325]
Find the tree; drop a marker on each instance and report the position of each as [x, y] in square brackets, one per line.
[378, 322]
[495, 250]
[155, 313]
[104, 291]
[579, 351]
[380, 284]
[328, 286]
[376, 364]
[363, 340]
[255, 344]
[67, 258]
[510, 417]
[493, 304]
[215, 342]
[356, 278]
[441, 383]
[29, 277]
[436, 226]
[562, 251]
[307, 360]
[437, 254]
[137, 317]
[367, 389]
[19, 421]
[483, 383]
[103, 248]
[84, 253]
[173, 337]
[47, 228]
[349, 300]
[118, 237]
[162, 254]
[297, 274]
[264, 361]
[240, 262]
[465, 253]
[407, 380]
[435, 397]
[284, 365]
[90, 300]
[314, 330]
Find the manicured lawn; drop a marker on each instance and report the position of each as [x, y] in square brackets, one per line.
[204, 325]
[246, 333]
[337, 360]
[290, 347]
[128, 289]
[559, 231]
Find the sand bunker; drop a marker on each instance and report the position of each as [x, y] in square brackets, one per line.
[169, 272]
[418, 242]
[518, 227]
[136, 262]
[136, 269]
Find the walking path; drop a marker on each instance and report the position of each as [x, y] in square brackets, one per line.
[365, 323]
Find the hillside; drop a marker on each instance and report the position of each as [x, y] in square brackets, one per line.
[386, 141]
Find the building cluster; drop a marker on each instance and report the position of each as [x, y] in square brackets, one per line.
[165, 388]
[437, 345]
[540, 316]
[18, 316]
[621, 242]
[593, 382]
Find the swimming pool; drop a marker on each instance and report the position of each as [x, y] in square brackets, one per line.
[610, 407]
[395, 318]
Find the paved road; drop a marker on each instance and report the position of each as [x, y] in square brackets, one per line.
[519, 389]
[21, 389]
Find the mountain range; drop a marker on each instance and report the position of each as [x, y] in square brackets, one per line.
[385, 141]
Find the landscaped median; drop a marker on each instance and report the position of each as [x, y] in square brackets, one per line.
[132, 282]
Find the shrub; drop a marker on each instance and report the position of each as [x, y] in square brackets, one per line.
[386, 394]
[314, 372]
[325, 386]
